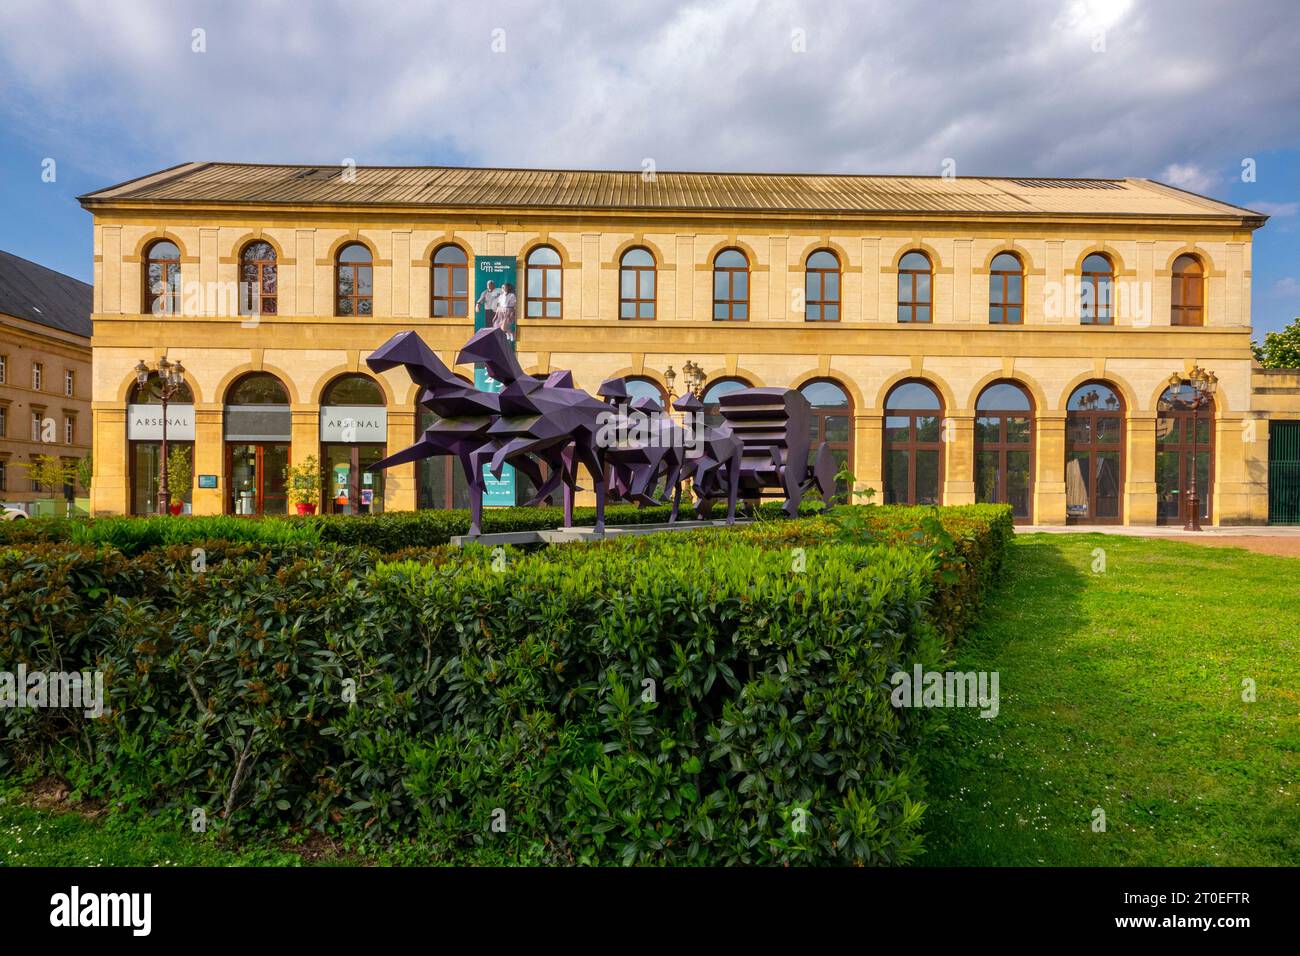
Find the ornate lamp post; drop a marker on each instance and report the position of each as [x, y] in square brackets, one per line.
[1204, 384]
[693, 377]
[171, 379]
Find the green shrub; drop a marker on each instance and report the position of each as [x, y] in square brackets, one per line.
[387, 532]
[480, 690]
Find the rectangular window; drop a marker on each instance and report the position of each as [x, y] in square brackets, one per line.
[36, 425]
[69, 382]
[69, 429]
[38, 373]
[4, 368]
[4, 421]
[4, 483]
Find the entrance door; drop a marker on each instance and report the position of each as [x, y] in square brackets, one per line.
[351, 488]
[1284, 473]
[1094, 455]
[1174, 445]
[255, 477]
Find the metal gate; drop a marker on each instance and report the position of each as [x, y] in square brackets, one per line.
[1284, 472]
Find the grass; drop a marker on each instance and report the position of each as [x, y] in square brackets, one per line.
[38, 837]
[1122, 690]
[1119, 690]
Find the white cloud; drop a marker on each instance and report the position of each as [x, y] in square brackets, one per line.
[1188, 176]
[1287, 288]
[1281, 210]
[1011, 89]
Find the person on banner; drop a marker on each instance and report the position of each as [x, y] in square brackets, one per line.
[488, 302]
[507, 302]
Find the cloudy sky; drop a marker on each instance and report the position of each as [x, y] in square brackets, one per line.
[1184, 92]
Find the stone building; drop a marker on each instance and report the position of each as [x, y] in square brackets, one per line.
[45, 382]
[962, 339]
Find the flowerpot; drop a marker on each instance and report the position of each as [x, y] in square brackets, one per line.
[306, 508]
[176, 507]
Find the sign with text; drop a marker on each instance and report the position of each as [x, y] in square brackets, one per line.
[145, 422]
[496, 305]
[354, 424]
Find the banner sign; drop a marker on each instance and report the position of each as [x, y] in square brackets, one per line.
[144, 422]
[496, 305]
[354, 424]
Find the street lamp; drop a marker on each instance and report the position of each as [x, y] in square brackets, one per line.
[693, 377]
[1204, 384]
[171, 379]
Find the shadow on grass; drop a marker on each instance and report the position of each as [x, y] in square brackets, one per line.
[981, 776]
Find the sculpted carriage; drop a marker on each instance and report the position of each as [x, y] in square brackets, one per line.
[634, 451]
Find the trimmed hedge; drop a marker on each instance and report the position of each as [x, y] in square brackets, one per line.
[387, 532]
[516, 695]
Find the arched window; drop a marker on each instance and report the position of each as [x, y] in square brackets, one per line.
[724, 386]
[258, 424]
[257, 279]
[162, 279]
[1187, 304]
[440, 480]
[730, 286]
[258, 388]
[915, 287]
[353, 389]
[353, 438]
[144, 445]
[545, 284]
[913, 445]
[355, 283]
[1096, 288]
[1004, 447]
[1180, 427]
[832, 422]
[1006, 290]
[636, 285]
[643, 388]
[1094, 455]
[450, 286]
[822, 287]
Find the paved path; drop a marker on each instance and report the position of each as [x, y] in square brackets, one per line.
[1265, 539]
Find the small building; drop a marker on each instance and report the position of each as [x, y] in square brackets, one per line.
[45, 377]
[961, 339]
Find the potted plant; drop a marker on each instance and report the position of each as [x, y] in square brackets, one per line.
[180, 478]
[303, 485]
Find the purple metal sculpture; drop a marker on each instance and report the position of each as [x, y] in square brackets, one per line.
[629, 448]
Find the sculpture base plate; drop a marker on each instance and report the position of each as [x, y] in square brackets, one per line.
[577, 533]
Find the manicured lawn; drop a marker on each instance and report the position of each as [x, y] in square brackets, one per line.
[1123, 690]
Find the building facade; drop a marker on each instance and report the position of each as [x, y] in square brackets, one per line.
[961, 339]
[45, 380]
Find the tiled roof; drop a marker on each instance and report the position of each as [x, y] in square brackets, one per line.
[33, 292]
[436, 186]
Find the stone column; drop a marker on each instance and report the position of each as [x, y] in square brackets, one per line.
[868, 436]
[399, 481]
[1140, 469]
[209, 459]
[110, 489]
[959, 459]
[1049, 469]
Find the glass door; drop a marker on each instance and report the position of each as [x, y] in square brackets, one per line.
[255, 478]
[350, 488]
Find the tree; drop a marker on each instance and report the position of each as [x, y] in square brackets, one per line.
[1280, 349]
[85, 472]
[53, 474]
